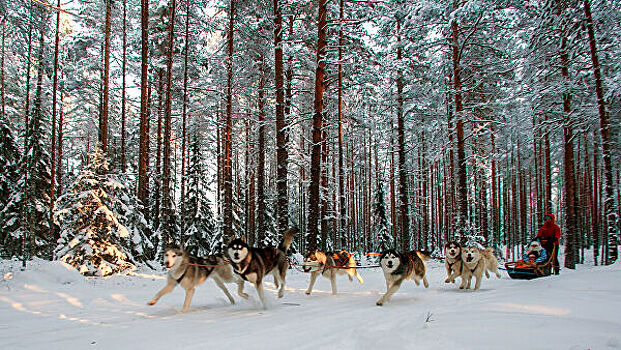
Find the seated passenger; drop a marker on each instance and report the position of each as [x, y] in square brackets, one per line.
[535, 253]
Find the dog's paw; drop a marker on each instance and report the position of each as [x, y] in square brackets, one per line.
[379, 303]
[461, 287]
[307, 292]
[448, 280]
[152, 302]
[243, 295]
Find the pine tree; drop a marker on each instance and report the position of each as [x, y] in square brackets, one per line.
[26, 215]
[9, 155]
[381, 229]
[200, 236]
[100, 223]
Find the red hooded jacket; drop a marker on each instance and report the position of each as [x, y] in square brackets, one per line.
[549, 230]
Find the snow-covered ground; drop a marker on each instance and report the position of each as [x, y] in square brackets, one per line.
[51, 307]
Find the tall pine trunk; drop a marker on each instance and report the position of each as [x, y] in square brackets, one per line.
[568, 147]
[143, 152]
[462, 190]
[404, 214]
[167, 200]
[123, 89]
[313, 217]
[228, 131]
[282, 155]
[103, 122]
[341, 235]
[607, 144]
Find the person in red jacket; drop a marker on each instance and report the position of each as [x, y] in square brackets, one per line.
[549, 235]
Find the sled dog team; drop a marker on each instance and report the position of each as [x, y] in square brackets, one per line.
[240, 263]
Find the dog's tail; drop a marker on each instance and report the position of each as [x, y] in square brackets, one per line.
[423, 255]
[287, 239]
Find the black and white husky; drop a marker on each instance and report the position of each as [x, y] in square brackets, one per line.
[185, 270]
[452, 261]
[398, 267]
[253, 264]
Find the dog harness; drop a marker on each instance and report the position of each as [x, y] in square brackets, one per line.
[182, 275]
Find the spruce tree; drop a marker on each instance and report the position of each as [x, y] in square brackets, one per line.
[200, 236]
[9, 155]
[100, 221]
[26, 215]
[381, 227]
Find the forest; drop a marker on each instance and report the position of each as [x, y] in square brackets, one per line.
[368, 124]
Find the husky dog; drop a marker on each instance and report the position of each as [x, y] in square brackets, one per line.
[398, 267]
[252, 264]
[491, 262]
[452, 260]
[183, 270]
[329, 265]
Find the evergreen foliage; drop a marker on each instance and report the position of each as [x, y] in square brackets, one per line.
[200, 236]
[102, 231]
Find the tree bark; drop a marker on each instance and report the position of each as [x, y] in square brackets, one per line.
[185, 104]
[167, 201]
[143, 156]
[228, 137]
[54, 109]
[282, 154]
[261, 160]
[341, 202]
[568, 147]
[462, 190]
[404, 214]
[313, 217]
[607, 144]
[123, 90]
[103, 123]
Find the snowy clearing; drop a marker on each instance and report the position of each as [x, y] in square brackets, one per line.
[51, 307]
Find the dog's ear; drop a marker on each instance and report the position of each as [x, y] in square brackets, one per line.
[243, 238]
[230, 239]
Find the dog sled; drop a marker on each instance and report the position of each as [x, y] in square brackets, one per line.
[523, 270]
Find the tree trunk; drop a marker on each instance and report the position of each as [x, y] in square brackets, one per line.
[228, 136]
[404, 213]
[2, 87]
[261, 160]
[185, 105]
[568, 173]
[103, 123]
[282, 154]
[548, 171]
[313, 217]
[143, 153]
[167, 201]
[54, 106]
[123, 90]
[59, 160]
[341, 202]
[607, 144]
[462, 190]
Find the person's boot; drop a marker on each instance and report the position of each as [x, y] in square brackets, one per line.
[556, 270]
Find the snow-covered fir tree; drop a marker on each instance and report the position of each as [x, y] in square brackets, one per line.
[102, 230]
[26, 215]
[199, 226]
[381, 227]
[9, 155]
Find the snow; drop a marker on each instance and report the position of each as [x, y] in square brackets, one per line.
[51, 306]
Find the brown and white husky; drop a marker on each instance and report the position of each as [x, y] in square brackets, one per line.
[329, 265]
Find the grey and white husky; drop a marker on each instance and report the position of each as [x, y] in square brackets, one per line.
[253, 264]
[398, 267]
[185, 270]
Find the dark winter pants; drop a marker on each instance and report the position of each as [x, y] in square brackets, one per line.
[549, 247]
